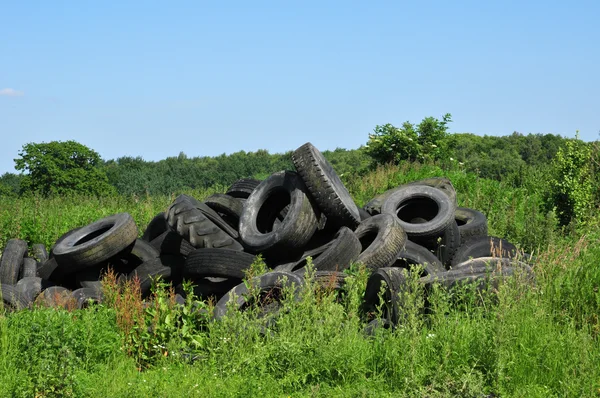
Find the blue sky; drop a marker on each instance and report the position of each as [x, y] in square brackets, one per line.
[153, 79]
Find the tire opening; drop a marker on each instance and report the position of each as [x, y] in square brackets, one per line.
[93, 235]
[417, 208]
[269, 211]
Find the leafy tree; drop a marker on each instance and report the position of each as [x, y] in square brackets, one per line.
[425, 141]
[10, 184]
[62, 168]
[572, 185]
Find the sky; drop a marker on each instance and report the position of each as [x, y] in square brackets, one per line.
[153, 79]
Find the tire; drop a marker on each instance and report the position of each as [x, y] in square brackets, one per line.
[419, 201]
[96, 242]
[449, 244]
[228, 207]
[31, 287]
[84, 296]
[382, 239]
[140, 252]
[471, 223]
[268, 283]
[336, 255]
[262, 208]
[195, 222]
[12, 260]
[12, 299]
[212, 289]
[47, 268]
[326, 188]
[242, 188]
[484, 246]
[171, 243]
[376, 324]
[482, 264]
[29, 268]
[396, 283]
[148, 271]
[326, 280]
[220, 263]
[363, 214]
[39, 252]
[156, 227]
[414, 254]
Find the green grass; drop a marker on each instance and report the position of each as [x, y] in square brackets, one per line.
[524, 341]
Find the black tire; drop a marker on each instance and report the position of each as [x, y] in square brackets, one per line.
[12, 260]
[29, 268]
[382, 239]
[85, 296]
[31, 287]
[415, 254]
[12, 298]
[96, 242]
[419, 201]
[471, 223]
[442, 183]
[47, 268]
[39, 252]
[210, 288]
[156, 227]
[228, 207]
[396, 282]
[148, 271]
[482, 264]
[61, 238]
[140, 252]
[326, 280]
[449, 244]
[243, 188]
[200, 225]
[266, 202]
[363, 214]
[336, 255]
[268, 283]
[171, 243]
[221, 263]
[484, 246]
[326, 188]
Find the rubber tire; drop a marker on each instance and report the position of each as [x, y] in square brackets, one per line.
[195, 222]
[221, 263]
[156, 227]
[39, 252]
[326, 188]
[492, 263]
[171, 243]
[264, 282]
[83, 295]
[326, 280]
[449, 244]
[243, 188]
[31, 287]
[55, 296]
[47, 268]
[471, 223]
[96, 242]
[396, 281]
[296, 229]
[414, 254]
[483, 246]
[419, 201]
[382, 239]
[363, 214]
[336, 255]
[12, 260]
[147, 271]
[12, 298]
[140, 252]
[28, 268]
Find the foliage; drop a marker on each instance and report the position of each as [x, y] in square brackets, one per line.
[10, 184]
[571, 186]
[426, 141]
[59, 168]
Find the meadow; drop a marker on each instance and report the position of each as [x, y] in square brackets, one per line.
[523, 340]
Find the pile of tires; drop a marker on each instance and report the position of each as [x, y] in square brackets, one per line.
[286, 218]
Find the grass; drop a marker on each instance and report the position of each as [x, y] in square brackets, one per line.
[519, 341]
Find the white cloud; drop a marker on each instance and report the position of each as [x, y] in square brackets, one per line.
[11, 92]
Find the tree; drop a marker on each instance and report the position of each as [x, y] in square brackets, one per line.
[425, 141]
[62, 168]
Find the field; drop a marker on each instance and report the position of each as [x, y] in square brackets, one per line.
[526, 341]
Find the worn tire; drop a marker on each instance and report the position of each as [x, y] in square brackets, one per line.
[267, 283]
[396, 283]
[12, 260]
[421, 202]
[325, 185]
[220, 263]
[171, 243]
[264, 205]
[29, 268]
[39, 252]
[148, 271]
[86, 295]
[382, 239]
[243, 188]
[471, 223]
[415, 254]
[156, 227]
[484, 246]
[96, 242]
[12, 298]
[228, 207]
